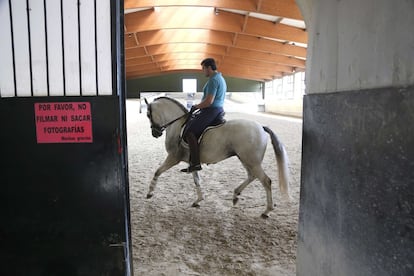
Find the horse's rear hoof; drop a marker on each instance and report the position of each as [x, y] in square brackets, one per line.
[264, 216]
[149, 196]
[235, 200]
[195, 205]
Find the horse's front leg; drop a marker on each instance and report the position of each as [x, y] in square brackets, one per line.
[169, 162]
[200, 196]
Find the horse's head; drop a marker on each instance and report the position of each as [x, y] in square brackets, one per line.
[160, 111]
[156, 128]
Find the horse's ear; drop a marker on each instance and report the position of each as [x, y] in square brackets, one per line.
[145, 99]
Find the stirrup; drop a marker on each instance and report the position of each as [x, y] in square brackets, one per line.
[192, 168]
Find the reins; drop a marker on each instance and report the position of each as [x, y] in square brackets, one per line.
[163, 127]
[159, 129]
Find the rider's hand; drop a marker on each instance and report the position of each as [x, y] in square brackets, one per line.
[193, 108]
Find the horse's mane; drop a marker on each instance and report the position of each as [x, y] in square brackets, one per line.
[174, 101]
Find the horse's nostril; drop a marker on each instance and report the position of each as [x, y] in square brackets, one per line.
[156, 133]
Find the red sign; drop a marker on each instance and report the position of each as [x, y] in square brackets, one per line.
[64, 122]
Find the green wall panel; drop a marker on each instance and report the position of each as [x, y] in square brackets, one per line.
[173, 83]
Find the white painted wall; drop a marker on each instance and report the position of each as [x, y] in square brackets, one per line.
[42, 47]
[356, 44]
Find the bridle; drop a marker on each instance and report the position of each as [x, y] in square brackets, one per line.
[157, 130]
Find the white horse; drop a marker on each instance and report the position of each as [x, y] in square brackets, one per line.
[242, 138]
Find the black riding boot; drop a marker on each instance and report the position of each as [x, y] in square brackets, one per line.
[194, 154]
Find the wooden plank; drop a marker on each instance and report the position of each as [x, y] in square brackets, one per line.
[205, 18]
[7, 88]
[103, 44]
[38, 47]
[54, 48]
[21, 48]
[281, 8]
[87, 43]
[71, 47]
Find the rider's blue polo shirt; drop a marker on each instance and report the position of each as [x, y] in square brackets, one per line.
[217, 86]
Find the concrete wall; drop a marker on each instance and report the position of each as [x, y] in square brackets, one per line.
[358, 44]
[356, 209]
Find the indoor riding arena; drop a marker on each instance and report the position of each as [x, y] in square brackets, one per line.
[333, 80]
[170, 237]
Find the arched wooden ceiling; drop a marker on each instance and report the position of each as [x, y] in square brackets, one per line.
[250, 39]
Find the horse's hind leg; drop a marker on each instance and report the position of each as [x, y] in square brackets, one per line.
[267, 184]
[169, 162]
[240, 188]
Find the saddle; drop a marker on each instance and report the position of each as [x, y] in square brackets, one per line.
[217, 122]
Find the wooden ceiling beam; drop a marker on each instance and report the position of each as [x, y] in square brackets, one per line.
[135, 52]
[270, 67]
[165, 37]
[139, 61]
[142, 67]
[186, 47]
[130, 41]
[228, 72]
[184, 17]
[258, 27]
[138, 75]
[205, 18]
[247, 38]
[142, 74]
[184, 35]
[266, 45]
[208, 50]
[192, 60]
[195, 58]
[244, 72]
[226, 67]
[265, 57]
[281, 8]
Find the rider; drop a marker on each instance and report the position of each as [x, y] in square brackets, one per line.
[211, 105]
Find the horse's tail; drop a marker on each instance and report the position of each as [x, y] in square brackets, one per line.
[282, 163]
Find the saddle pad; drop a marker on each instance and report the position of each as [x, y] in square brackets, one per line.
[185, 144]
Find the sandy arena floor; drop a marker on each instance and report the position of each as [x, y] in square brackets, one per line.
[170, 237]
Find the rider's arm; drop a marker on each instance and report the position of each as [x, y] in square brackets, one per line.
[208, 100]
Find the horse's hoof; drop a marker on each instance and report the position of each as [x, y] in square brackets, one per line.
[195, 205]
[149, 196]
[235, 200]
[264, 216]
